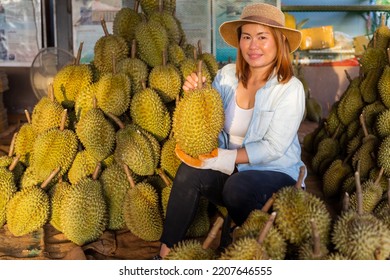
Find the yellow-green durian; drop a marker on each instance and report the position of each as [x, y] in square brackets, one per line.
[96, 133]
[83, 165]
[149, 112]
[7, 190]
[166, 80]
[136, 69]
[125, 21]
[152, 41]
[190, 249]
[384, 86]
[70, 80]
[115, 186]
[109, 49]
[113, 92]
[334, 176]
[27, 210]
[142, 211]
[197, 121]
[84, 218]
[169, 161]
[56, 195]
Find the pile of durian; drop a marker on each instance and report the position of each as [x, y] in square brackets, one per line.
[354, 140]
[98, 153]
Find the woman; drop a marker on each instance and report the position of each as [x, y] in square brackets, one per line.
[259, 150]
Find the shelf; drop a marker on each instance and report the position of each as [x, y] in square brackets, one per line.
[338, 8]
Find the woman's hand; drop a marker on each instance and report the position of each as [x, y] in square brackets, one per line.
[191, 82]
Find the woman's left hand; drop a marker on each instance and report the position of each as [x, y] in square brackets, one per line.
[225, 161]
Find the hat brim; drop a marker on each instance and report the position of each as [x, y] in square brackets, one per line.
[228, 31]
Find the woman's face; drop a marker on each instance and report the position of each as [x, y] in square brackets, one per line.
[258, 46]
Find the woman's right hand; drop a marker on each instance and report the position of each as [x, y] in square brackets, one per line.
[191, 82]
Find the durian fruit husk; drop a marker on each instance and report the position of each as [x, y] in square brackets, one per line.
[193, 249]
[358, 235]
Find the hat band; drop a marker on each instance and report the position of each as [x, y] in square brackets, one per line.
[263, 20]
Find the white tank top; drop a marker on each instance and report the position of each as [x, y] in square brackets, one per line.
[237, 123]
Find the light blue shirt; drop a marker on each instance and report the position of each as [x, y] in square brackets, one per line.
[272, 140]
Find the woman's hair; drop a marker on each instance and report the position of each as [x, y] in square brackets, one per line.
[282, 64]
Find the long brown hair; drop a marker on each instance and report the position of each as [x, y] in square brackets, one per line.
[282, 63]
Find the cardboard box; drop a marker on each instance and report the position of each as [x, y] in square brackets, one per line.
[317, 38]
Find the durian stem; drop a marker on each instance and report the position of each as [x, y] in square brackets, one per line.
[213, 232]
[133, 48]
[94, 102]
[63, 119]
[345, 202]
[363, 124]
[267, 227]
[316, 239]
[95, 174]
[50, 92]
[378, 179]
[200, 83]
[388, 54]
[51, 176]
[28, 116]
[136, 5]
[377, 254]
[104, 26]
[160, 6]
[359, 195]
[116, 120]
[200, 51]
[348, 76]
[12, 145]
[128, 174]
[164, 177]
[113, 63]
[78, 57]
[14, 163]
[267, 206]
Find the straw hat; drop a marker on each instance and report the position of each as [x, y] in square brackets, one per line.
[264, 14]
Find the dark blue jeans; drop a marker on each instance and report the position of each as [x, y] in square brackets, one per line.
[240, 193]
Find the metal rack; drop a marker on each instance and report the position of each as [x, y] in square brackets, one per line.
[338, 8]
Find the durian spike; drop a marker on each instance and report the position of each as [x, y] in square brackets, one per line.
[301, 176]
[96, 172]
[267, 206]
[345, 205]
[316, 239]
[164, 177]
[14, 163]
[116, 120]
[28, 116]
[63, 119]
[104, 26]
[79, 51]
[212, 233]
[266, 228]
[200, 83]
[12, 145]
[51, 176]
[128, 174]
[359, 195]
